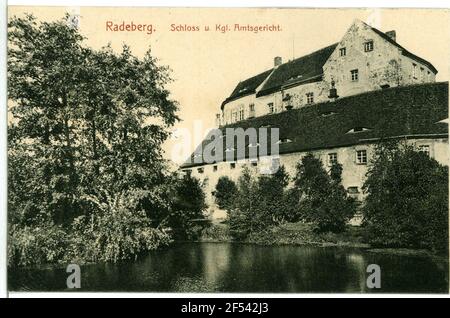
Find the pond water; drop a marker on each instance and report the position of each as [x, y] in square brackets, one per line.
[228, 267]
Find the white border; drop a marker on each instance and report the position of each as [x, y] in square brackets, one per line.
[3, 152]
[167, 3]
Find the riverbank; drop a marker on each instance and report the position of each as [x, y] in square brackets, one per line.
[289, 234]
[302, 234]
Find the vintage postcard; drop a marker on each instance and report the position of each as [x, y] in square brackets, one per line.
[228, 150]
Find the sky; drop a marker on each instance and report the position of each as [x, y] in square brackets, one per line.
[207, 65]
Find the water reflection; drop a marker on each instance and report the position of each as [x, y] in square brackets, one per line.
[224, 267]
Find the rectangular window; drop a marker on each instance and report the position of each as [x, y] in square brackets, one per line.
[251, 110]
[241, 113]
[354, 75]
[414, 70]
[429, 75]
[234, 117]
[232, 165]
[309, 98]
[368, 46]
[361, 157]
[342, 51]
[425, 149]
[271, 108]
[332, 158]
[215, 168]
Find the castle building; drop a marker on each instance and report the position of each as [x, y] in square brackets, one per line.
[336, 103]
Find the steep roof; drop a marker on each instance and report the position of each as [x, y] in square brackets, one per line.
[400, 111]
[302, 69]
[247, 87]
[404, 51]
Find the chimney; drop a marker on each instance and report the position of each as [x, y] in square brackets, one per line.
[277, 61]
[392, 35]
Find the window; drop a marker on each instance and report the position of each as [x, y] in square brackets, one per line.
[368, 46]
[354, 75]
[352, 190]
[414, 70]
[429, 75]
[271, 108]
[234, 116]
[332, 158]
[342, 51]
[241, 113]
[251, 110]
[361, 157]
[357, 130]
[284, 141]
[232, 165]
[254, 163]
[425, 149]
[309, 98]
[215, 168]
[200, 170]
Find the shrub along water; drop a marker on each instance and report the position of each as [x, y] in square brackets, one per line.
[407, 199]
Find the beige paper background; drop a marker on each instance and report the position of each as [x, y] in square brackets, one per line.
[207, 65]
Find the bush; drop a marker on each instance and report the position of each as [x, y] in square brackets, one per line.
[407, 199]
[188, 205]
[226, 192]
[42, 244]
[259, 203]
[322, 198]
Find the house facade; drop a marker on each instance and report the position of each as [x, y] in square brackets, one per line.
[337, 103]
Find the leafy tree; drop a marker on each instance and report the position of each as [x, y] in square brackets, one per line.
[87, 128]
[407, 199]
[188, 207]
[322, 198]
[226, 191]
[259, 204]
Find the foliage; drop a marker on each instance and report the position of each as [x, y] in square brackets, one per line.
[84, 143]
[407, 199]
[187, 208]
[259, 203]
[225, 192]
[322, 198]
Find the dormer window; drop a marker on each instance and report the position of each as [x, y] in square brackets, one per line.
[368, 46]
[357, 130]
[330, 113]
[342, 51]
[284, 141]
